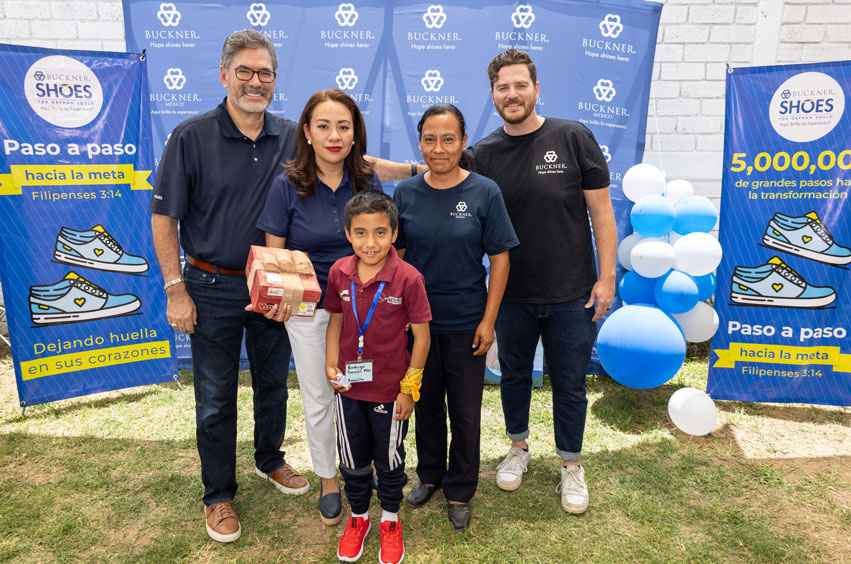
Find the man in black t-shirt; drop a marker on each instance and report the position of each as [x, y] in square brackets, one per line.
[553, 176]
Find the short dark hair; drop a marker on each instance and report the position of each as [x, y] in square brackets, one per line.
[372, 201]
[247, 39]
[512, 57]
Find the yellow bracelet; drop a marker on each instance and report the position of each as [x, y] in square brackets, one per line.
[411, 383]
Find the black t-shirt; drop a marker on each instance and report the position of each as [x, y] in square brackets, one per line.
[542, 176]
[214, 180]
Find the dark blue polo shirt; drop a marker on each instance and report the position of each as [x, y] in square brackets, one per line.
[215, 180]
[315, 225]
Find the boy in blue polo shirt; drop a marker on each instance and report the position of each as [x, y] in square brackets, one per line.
[372, 296]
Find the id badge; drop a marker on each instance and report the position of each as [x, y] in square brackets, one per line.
[359, 371]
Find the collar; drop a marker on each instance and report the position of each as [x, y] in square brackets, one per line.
[344, 182]
[229, 129]
[349, 268]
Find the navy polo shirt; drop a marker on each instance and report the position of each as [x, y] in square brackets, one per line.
[215, 180]
[445, 234]
[315, 225]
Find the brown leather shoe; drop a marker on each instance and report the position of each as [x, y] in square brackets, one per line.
[222, 522]
[286, 479]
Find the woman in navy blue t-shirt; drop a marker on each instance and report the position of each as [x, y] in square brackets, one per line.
[305, 211]
[449, 219]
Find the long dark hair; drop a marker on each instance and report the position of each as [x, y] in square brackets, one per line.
[301, 171]
[439, 109]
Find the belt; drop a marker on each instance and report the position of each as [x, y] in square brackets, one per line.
[212, 267]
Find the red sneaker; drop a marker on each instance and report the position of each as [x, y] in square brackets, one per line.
[392, 549]
[351, 543]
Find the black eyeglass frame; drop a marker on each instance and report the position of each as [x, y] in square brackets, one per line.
[259, 73]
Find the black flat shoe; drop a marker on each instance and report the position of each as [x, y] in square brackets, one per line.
[459, 515]
[330, 507]
[420, 495]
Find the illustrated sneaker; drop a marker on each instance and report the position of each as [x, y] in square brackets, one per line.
[574, 492]
[351, 543]
[774, 284]
[805, 236]
[95, 248]
[76, 299]
[509, 473]
[392, 549]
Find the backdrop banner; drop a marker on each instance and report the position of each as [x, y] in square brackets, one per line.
[82, 289]
[397, 58]
[783, 297]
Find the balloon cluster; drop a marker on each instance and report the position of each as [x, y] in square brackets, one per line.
[670, 261]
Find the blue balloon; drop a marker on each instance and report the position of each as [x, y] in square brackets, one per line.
[676, 292]
[695, 214]
[641, 347]
[634, 288]
[705, 286]
[653, 216]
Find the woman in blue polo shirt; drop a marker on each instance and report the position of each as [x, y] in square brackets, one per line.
[305, 211]
[449, 219]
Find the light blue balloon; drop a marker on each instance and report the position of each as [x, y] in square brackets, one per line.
[695, 214]
[705, 286]
[634, 288]
[641, 347]
[676, 292]
[653, 216]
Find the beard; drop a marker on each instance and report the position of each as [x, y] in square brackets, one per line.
[527, 111]
[238, 96]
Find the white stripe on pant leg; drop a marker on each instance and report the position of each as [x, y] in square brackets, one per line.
[343, 436]
[307, 337]
[393, 440]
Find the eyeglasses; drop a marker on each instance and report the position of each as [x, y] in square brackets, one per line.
[246, 74]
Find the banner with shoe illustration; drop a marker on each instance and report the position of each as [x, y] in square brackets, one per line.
[85, 309]
[783, 296]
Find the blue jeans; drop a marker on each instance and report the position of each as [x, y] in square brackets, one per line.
[568, 336]
[220, 302]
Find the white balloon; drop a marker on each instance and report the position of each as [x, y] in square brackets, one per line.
[697, 254]
[699, 323]
[626, 247]
[652, 257]
[692, 411]
[678, 189]
[643, 180]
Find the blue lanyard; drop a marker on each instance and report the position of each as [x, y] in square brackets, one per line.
[362, 330]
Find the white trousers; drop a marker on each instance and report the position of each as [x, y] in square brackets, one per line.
[307, 337]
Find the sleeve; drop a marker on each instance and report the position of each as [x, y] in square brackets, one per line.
[398, 199]
[174, 180]
[592, 162]
[416, 300]
[275, 217]
[499, 235]
[332, 294]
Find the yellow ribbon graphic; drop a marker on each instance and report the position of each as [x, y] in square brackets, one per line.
[72, 175]
[782, 354]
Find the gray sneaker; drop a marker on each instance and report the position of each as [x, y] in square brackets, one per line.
[509, 473]
[574, 492]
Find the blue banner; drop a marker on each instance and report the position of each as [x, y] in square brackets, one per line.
[82, 289]
[783, 296]
[594, 61]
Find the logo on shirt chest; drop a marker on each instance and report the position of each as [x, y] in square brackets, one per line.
[344, 296]
[392, 300]
[460, 211]
[550, 164]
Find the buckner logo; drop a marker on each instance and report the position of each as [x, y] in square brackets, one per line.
[346, 79]
[174, 79]
[611, 26]
[550, 157]
[346, 15]
[523, 16]
[434, 17]
[806, 107]
[604, 90]
[460, 211]
[258, 15]
[550, 165]
[432, 81]
[168, 14]
[63, 91]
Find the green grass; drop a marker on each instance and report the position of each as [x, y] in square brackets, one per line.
[116, 478]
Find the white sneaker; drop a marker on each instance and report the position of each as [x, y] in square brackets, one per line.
[509, 473]
[574, 492]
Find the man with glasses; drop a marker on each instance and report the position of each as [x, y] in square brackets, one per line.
[213, 178]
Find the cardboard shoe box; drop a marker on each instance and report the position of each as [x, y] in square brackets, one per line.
[277, 276]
